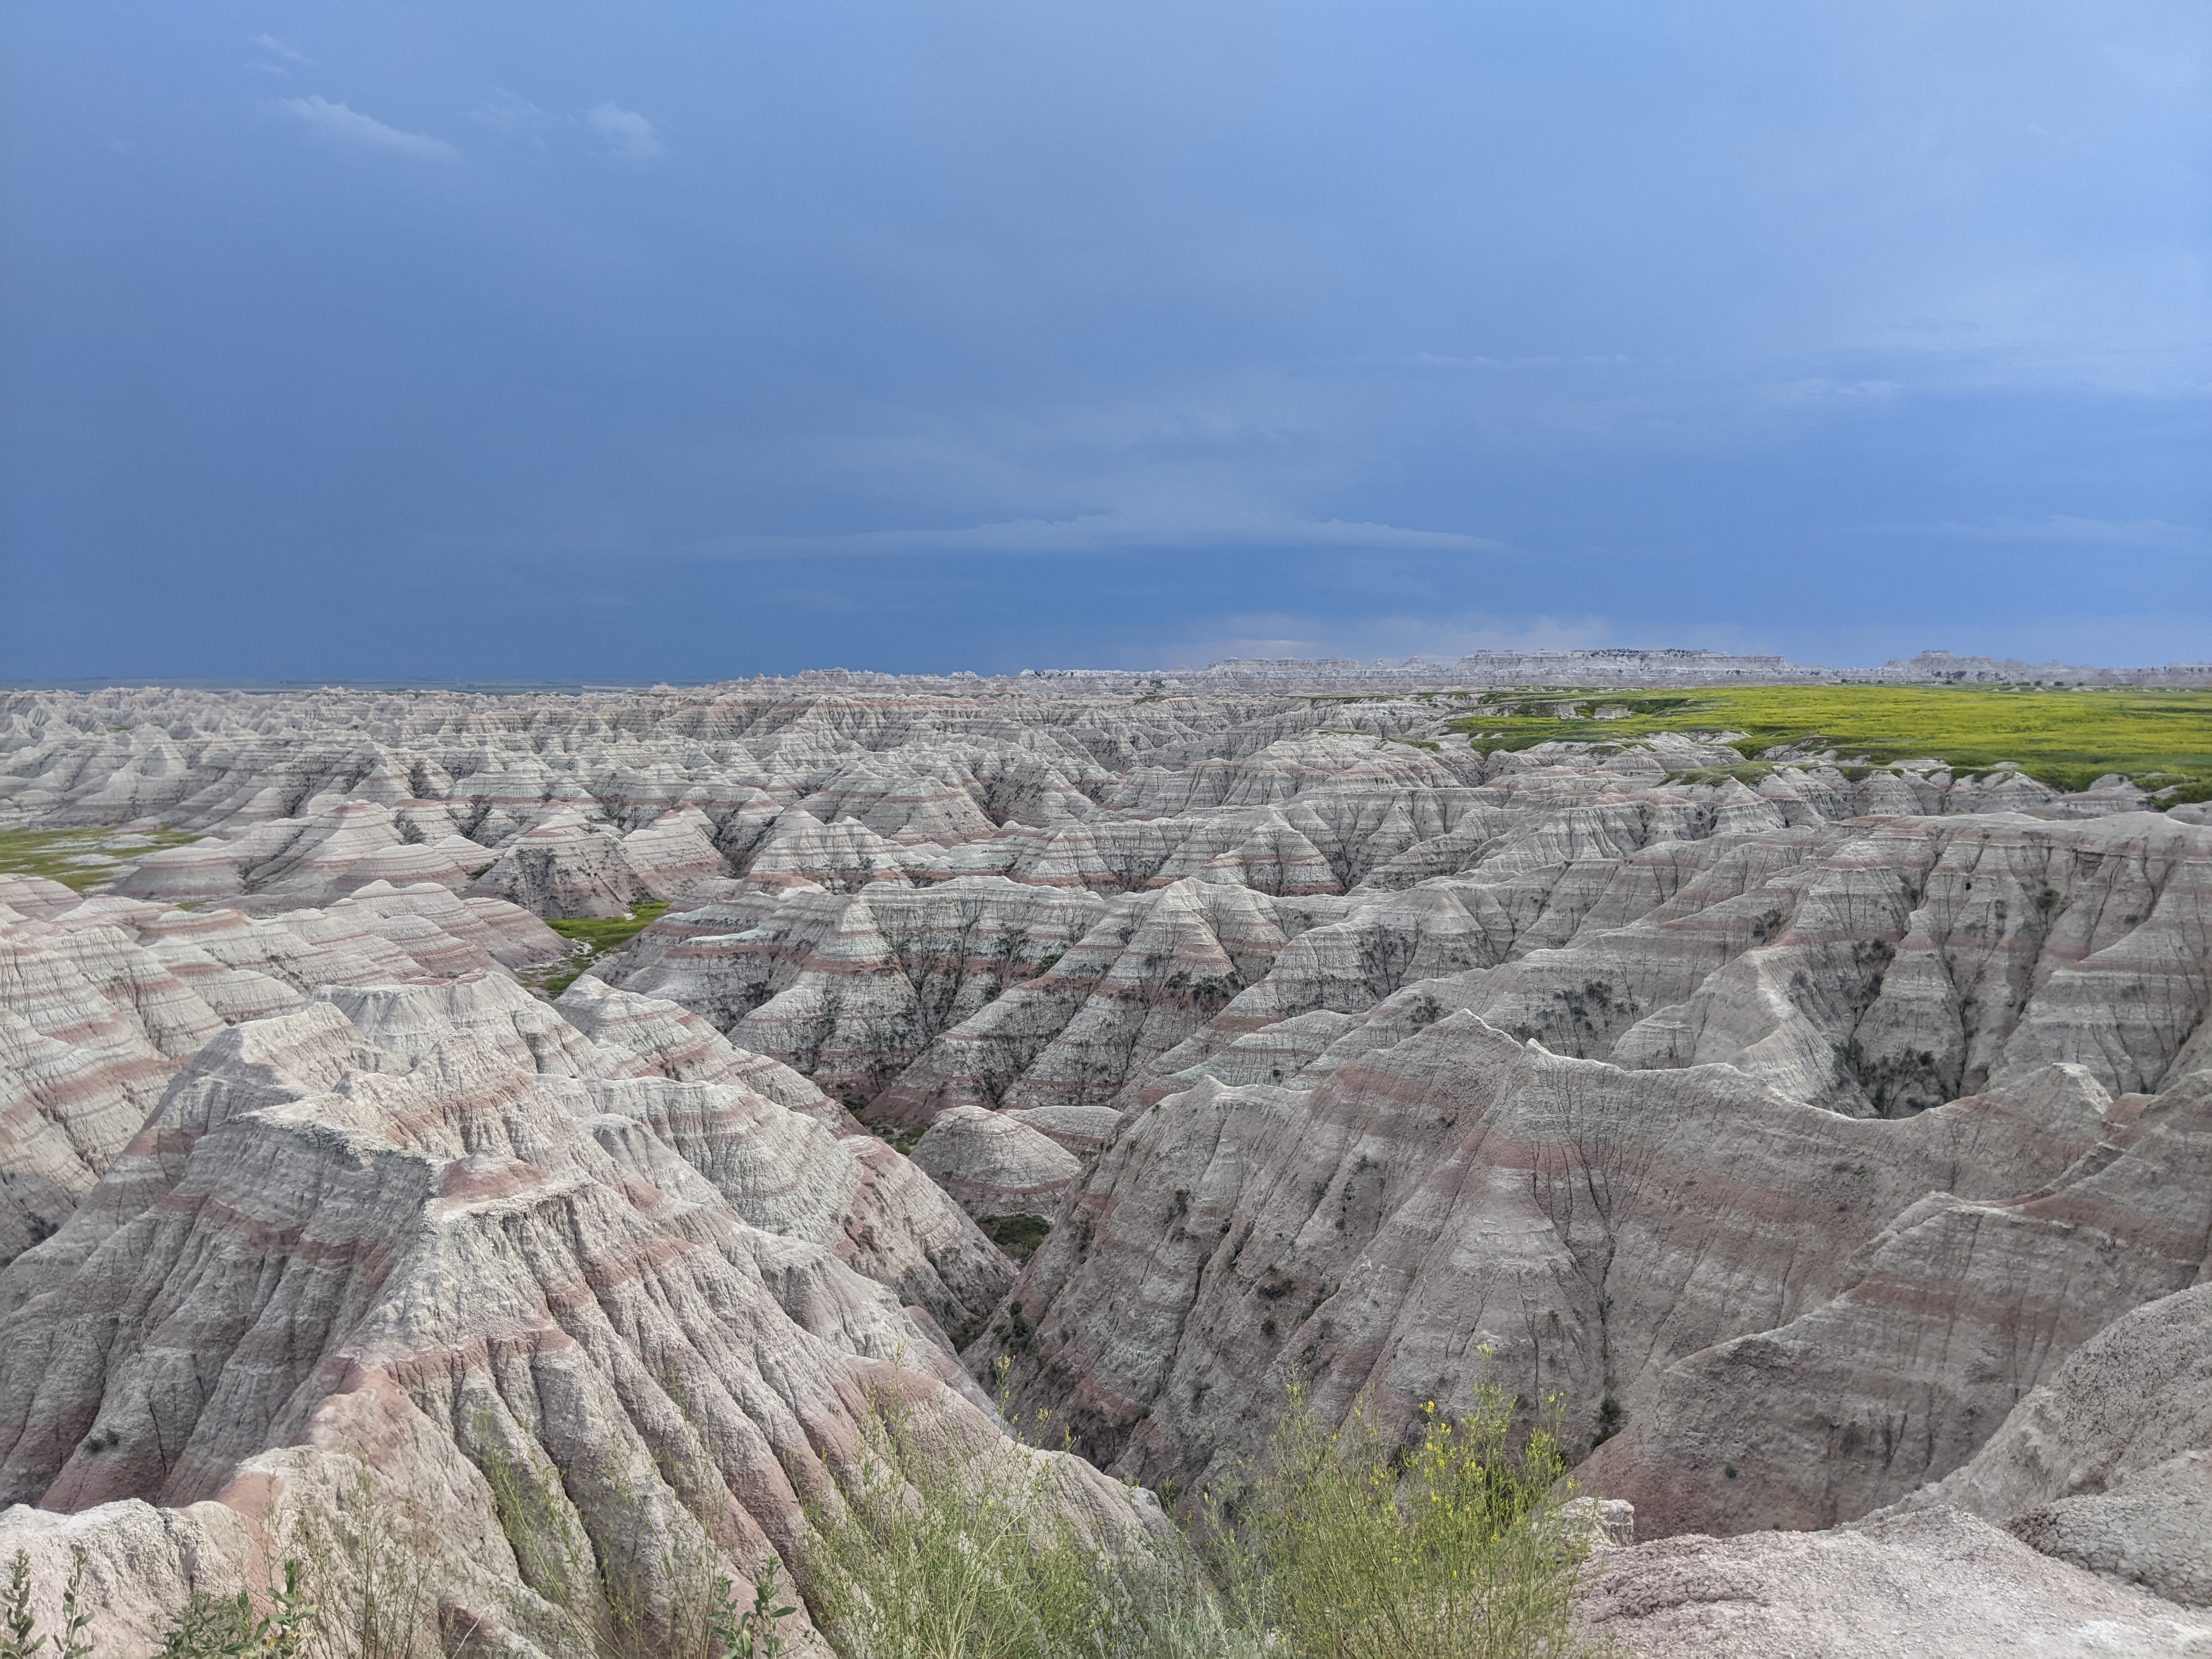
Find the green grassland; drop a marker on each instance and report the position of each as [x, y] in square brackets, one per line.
[604, 935]
[2162, 739]
[54, 854]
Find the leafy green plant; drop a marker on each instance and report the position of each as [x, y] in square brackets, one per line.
[1019, 1236]
[1352, 1545]
[20, 1636]
[927, 1553]
[19, 1626]
[211, 1627]
[757, 1632]
[76, 1615]
[228, 1627]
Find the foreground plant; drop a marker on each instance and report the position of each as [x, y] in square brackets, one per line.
[20, 1636]
[1349, 1546]
[229, 1627]
[935, 1554]
[755, 1634]
[1346, 1545]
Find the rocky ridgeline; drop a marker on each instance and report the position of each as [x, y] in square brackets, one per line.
[1834, 1149]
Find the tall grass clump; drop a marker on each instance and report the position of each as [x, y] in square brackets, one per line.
[1349, 1545]
[373, 1564]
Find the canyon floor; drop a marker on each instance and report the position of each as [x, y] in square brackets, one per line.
[411, 1099]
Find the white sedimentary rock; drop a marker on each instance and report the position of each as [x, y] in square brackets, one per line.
[994, 1162]
[1826, 1144]
[1940, 1585]
[405, 1227]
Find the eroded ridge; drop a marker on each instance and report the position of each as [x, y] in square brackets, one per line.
[1832, 1141]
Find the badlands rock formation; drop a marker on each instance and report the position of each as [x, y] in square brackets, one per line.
[433, 1232]
[1833, 1154]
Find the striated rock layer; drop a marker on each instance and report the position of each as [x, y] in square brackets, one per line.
[1830, 1153]
[434, 1233]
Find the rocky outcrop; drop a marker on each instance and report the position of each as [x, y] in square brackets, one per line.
[562, 867]
[2108, 1464]
[1461, 1205]
[91, 1028]
[370, 1231]
[101, 1001]
[1958, 1310]
[1939, 1585]
[1827, 1140]
[994, 1164]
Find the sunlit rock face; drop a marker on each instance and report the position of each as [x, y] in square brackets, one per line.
[434, 1232]
[1821, 1148]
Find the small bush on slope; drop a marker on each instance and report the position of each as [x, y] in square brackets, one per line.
[935, 1555]
[1351, 1547]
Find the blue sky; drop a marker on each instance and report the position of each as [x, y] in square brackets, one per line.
[688, 341]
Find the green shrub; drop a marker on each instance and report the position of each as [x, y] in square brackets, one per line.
[226, 1627]
[934, 1555]
[1019, 1236]
[758, 1631]
[373, 1564]
[1349, 1546]
[1346, 1545]
[20, 1636]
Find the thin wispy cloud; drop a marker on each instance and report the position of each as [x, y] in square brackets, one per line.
[349, 128]
[1816, 391]
[1390, 638]
[276, 48]
[628, 136]
[1119, 531]
[505, 112]
[2109, 532]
